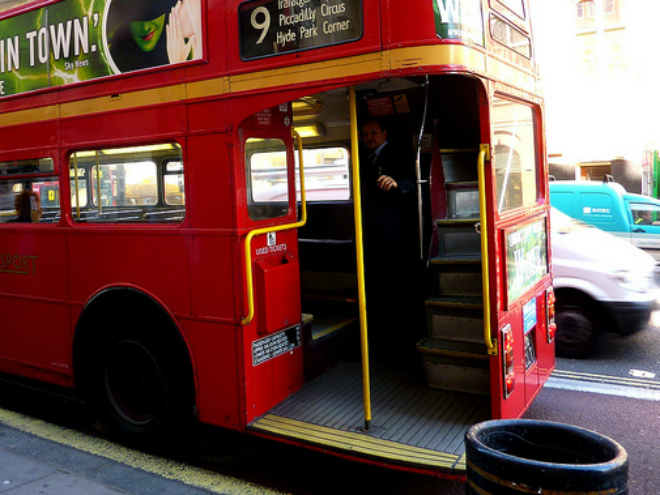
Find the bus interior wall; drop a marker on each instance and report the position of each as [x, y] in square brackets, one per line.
[448, 165]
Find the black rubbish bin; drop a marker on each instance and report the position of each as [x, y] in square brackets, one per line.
[518, 457]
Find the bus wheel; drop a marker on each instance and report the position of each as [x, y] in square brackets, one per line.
[578, 327]
[138, 387]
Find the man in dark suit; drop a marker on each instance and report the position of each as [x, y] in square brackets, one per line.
[388, 187]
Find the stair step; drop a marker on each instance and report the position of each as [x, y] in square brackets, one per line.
[456, 366]
[458, 325]
[444, 302]
[452, 348]
[458, 236]
[458, 260]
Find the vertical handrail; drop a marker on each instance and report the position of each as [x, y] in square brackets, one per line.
[75, 165]
[418, 173]
[359, 254]
[484, 155]
[277, 228]
[98, 182]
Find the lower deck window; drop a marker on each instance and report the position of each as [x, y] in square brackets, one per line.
[125, 185]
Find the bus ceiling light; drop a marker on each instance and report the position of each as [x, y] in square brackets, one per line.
[310, 130]
[120, 151]
[550, 324]
[508, 369]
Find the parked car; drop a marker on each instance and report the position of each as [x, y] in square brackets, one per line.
[608, 206]
[602, 284]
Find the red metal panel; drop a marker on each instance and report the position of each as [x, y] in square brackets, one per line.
[217, 365]
[136, 257]
[143, 124]
[35, 337]
[213, 292]
[278, 292]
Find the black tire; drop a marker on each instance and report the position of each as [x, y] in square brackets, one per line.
[140, 386]
[578, 326]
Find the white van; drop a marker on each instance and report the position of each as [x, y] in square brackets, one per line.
[602, 284]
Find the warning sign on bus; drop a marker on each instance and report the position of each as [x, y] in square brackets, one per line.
[79, 40]
[275, 27]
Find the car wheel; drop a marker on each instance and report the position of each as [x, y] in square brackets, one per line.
[578, 327]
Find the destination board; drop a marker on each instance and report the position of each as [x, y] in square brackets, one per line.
[276, 27]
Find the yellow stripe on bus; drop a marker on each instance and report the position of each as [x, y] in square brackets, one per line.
[474, 60]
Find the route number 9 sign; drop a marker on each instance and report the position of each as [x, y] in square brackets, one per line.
[275, 27]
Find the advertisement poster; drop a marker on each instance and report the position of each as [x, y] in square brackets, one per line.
[526, 258]
[459, 20]
[79, 40]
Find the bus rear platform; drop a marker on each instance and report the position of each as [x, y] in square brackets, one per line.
[413, 427]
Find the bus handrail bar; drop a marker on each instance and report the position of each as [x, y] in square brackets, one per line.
[277, 228]
[484, 155]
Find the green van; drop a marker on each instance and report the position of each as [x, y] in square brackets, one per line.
[608, 206]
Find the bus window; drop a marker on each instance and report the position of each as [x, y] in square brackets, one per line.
[505, 33]
[132, 183]
[15, 178]
[173, 183]
[137, 184]
[326, 174]
[515, 157]
[516, 6]
[268, 188]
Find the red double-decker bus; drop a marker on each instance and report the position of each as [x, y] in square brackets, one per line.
[184, 218]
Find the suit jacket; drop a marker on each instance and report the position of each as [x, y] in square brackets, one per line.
[390, 219]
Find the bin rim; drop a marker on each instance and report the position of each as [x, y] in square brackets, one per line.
[618, 461]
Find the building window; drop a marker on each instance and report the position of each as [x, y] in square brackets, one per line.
[586, 9]
[609, 6]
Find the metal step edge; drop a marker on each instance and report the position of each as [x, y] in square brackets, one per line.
[454, 302]
[469, 350]
[456, 260]
[356, 443]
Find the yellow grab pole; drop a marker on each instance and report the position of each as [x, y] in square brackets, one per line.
[359, 250]
[248, 239]
[484, 155]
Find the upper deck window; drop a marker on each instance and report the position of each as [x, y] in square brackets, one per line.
[509, 36]
[515, 155]
[515, 6]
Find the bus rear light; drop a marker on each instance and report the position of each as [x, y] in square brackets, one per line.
[508, 360]
[550, 324]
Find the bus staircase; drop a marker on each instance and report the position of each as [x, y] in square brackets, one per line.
[416, 422]
[454, 353]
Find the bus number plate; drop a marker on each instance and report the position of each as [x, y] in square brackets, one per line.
[275, 345]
